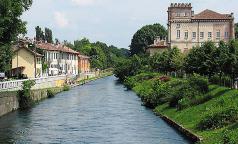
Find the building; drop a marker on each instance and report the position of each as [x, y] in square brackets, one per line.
[83, 63]
[186, 29]
[158, 47]
[25, 62]
[59, 59]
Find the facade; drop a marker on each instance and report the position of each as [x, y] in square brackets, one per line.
[60, 59]
[83, 64]
[26, 62]
[158, 47]
[186, 29]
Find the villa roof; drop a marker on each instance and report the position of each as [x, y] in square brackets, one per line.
[17, 48]
[53, 47]
[209, 14]
[83, 56]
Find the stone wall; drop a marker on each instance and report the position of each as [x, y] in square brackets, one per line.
[9, 100]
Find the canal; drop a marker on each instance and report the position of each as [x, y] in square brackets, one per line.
[100, 112]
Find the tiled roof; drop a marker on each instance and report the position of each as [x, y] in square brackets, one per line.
[83, 56]
[209, 14]
[59, 47]
[16, 48]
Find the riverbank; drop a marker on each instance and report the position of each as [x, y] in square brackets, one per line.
[211, 116]
[9, 100]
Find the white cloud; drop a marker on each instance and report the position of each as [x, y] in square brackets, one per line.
[83, 2]
[60, 19]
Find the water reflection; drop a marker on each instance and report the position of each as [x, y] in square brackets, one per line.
[100, 112]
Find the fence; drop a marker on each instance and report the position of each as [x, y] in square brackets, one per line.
[43, 82]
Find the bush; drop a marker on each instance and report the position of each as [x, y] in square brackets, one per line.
[25, 100]
[66, 88]
[198, 82]
[219, 119]
[50, 93]
[228, 138]
[215, 79]
[164, 78]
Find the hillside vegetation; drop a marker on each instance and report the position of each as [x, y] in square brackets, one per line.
[210, 111]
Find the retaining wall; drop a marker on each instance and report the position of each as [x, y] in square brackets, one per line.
[9, 100]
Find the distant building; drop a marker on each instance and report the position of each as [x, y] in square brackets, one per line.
[186, 29]
[26, 62]
[158, 47]
[59, 58]
[83, 64]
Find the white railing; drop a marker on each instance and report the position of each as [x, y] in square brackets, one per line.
[43, 82]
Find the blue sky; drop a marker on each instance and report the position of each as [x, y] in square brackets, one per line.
[111, 21]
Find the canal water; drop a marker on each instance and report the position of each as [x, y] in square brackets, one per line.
[100, 112]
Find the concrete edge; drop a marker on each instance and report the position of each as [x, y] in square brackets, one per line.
[190, 135]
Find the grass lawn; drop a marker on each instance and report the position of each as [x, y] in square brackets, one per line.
[220, 99]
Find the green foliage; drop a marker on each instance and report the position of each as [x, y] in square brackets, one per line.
[219, 119]
[46, 35]
[130, 67]
[202, 60]
[11, 26]
[25, 100]
[145, 37]
[66, 87]
[169, 61]
[102, 56]
[50, 93]
[199, 83]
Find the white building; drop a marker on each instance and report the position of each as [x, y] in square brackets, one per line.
[186, 29]
[60, 59]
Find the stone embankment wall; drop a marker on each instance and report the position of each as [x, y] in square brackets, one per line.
[9, 100]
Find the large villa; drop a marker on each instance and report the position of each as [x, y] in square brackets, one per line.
[187, 29]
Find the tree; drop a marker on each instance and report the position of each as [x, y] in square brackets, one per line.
[236, 30]
[11, 26]
[202, 60]
[145, 37]
[48, 35]
[38, 33]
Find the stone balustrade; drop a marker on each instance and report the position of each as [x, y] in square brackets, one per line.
[43, 82]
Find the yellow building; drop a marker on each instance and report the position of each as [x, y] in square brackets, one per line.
[26, 62]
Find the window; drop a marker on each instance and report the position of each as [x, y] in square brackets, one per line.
[178, 14]
[226, 34]
[194, 35]
[218, 34]
[209, 35]
[186, 35]
[201, 35]
[178, 34]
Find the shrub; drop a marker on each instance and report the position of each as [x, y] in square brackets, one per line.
[164, 78]
[215, 79]
[25, 100]
[66, 88]
[198, 82]
[50, 93]
[219, 119]
[228, 138]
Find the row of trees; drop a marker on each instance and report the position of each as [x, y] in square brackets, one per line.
[102, 56]
[208, 60]
[44, 35]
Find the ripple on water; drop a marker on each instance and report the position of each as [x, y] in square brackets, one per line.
[100, 112]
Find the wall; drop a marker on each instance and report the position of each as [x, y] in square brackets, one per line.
[24, 58]
[9, 100]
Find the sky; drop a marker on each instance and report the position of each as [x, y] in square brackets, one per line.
[111, 21]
